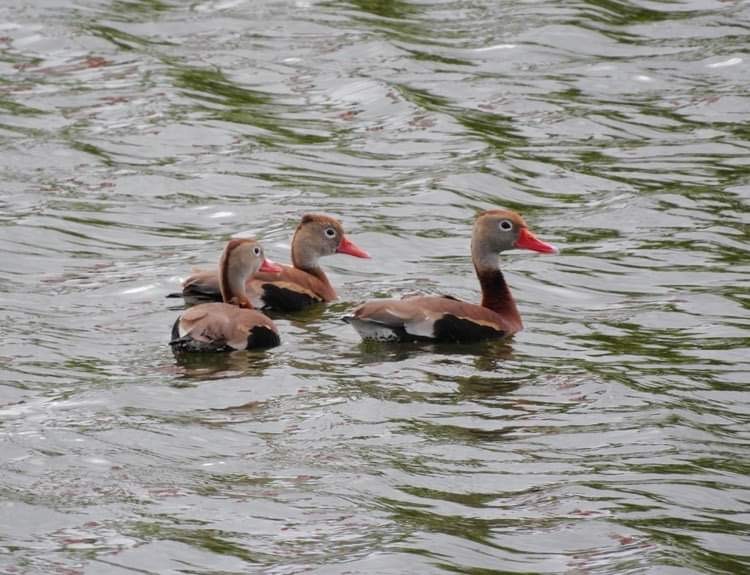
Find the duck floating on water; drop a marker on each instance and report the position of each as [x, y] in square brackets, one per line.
[232, 324]
[293, 287]
[445, 318]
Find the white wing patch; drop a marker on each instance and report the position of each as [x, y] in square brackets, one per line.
[372, 330]
[421, 327]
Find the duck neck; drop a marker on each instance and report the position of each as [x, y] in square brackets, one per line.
[232, 285]
[324, 288]
[303, 257]
[495, 291]
[306, 260]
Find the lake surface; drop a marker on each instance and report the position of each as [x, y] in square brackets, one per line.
[611, 436]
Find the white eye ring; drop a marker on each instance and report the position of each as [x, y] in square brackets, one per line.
[256, 250]
[506, 225]
[330, 232]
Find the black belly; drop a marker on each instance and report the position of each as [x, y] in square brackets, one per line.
[450, 328]
[262, 336]
[285, 299]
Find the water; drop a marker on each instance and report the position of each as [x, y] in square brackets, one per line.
[611, 436]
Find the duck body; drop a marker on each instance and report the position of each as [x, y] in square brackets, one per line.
[233, 324]
[429, 318]
[445, 318]
[292, 289]
[218, 326]
[295, 286]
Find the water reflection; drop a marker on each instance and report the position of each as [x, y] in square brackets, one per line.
[487, 356]
[194, 368]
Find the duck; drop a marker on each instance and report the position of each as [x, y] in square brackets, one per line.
[441, 318]
[232, 324]
[296, 286]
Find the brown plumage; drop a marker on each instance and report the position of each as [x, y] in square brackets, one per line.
[232, 324]
[443, 318]
[296, 286]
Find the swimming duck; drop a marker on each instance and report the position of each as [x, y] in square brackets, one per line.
[296, 286]
[232, 324]
[445, 318]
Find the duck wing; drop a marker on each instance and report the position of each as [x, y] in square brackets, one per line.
[435, 318]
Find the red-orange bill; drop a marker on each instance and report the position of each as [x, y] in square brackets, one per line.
[347, 246]
[528, 241]
[270, 267]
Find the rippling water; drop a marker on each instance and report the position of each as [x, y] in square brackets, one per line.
[609, 437]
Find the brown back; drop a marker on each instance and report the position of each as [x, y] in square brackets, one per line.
[418, 314]
[222, 323]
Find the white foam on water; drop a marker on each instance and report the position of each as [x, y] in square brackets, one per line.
[139, 289]
[726, 63]
[496, 47]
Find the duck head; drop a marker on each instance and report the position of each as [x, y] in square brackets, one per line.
[241, 259]
[320, 235]
[496, 231]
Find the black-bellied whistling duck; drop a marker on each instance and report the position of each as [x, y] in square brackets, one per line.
[444, 318]
[233, 324]
[297, 286]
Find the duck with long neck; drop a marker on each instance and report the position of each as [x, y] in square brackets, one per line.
[309, 244]
[496, 294]
[304, 283]
[443, 318]
[232, 324]
[296, 286]
[234, 270]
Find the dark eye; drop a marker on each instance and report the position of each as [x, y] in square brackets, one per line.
[256, 250]
[330, 232]
[506, 225]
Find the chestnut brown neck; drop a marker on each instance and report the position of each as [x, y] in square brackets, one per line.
[324, 287]
[496, 294]
[495, 291]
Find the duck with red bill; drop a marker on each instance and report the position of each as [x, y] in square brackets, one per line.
[232, 324]
[447, 319]
[296, 286]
